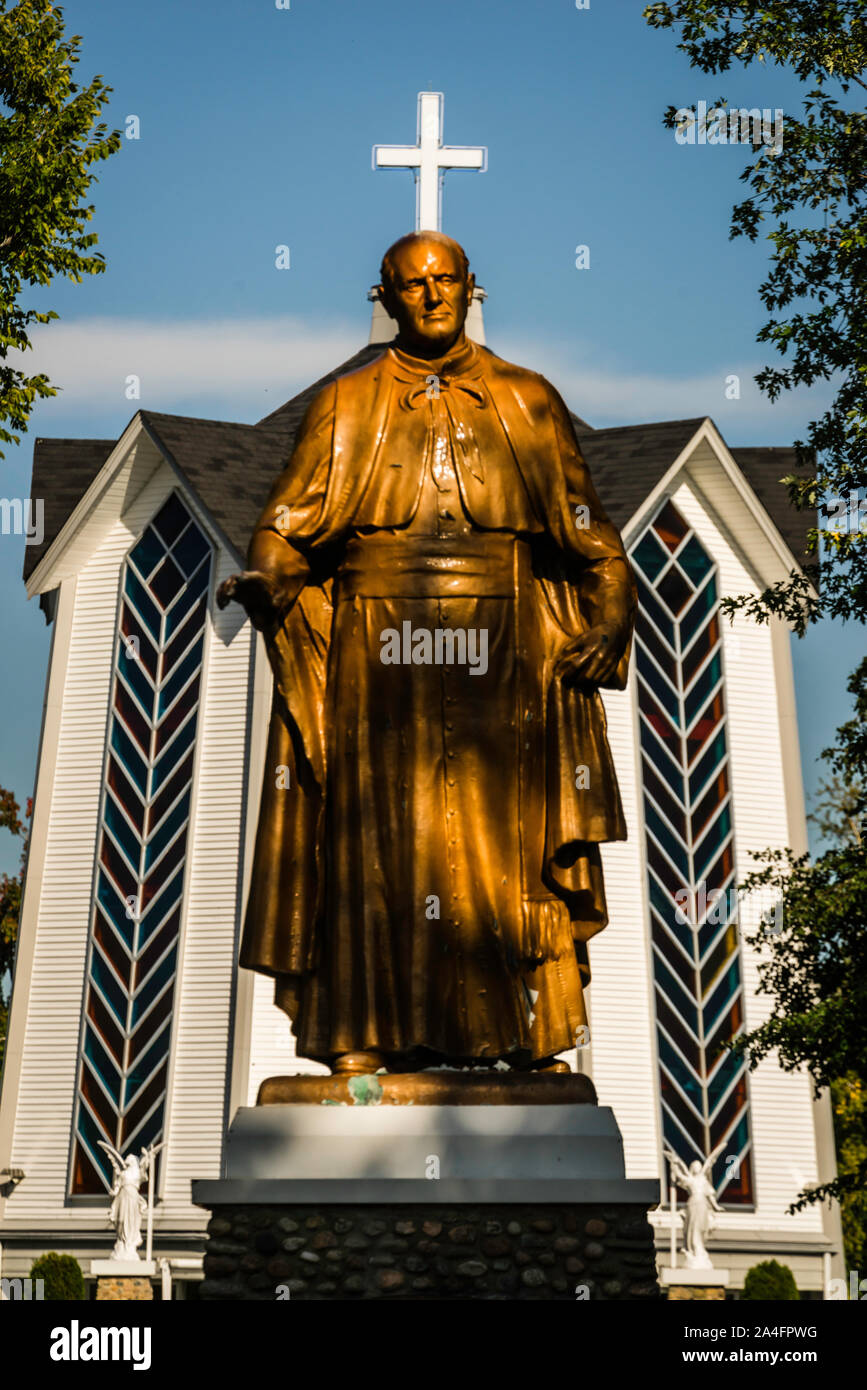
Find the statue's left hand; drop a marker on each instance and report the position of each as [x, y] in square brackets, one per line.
[592, 658]
[257, 592]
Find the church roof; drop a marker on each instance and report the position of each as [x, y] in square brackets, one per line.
[230, 466]
[627, 462]
[63, 470]
[764, 466]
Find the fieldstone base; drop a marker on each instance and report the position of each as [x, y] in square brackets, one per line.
[123, 1290]
[430, 1251]
[693, 1292]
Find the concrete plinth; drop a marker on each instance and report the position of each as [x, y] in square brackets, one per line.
[417, 1202]
[142, 1269]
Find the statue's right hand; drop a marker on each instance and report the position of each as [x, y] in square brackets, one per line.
[257, 594]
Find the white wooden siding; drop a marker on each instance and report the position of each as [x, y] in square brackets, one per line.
[784, 1149]
[46, 1094]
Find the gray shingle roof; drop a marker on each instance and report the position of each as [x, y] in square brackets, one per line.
[230, 466]
[63, 470]
[627, 462]
[764, 467]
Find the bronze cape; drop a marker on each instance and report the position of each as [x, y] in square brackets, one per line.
[426, 882]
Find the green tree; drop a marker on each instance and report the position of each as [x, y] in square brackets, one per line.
[770, 1282]
[849, 1099]
[835, 810]
[10, 905]
[835, 815]
[810, 200]
[48, 143]
[64, 1281]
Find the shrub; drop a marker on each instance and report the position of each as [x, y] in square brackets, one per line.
[770, 1282]
[64, 1281]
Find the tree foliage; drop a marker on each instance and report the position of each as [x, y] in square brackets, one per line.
[770, 1282]
[810, 200]
[48, 143]
[849, 1100]
[835, 810]
[64, 1281]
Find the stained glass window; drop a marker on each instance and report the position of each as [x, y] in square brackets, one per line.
[135, 925]
[698, 985]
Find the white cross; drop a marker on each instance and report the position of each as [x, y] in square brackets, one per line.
[429, 158]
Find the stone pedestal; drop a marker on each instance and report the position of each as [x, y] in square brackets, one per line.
[121, 1280]
[120, 1290]
[703, 1285]
[526, 1201]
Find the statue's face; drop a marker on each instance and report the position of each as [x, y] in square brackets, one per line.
[429, 297]
[695, 1166]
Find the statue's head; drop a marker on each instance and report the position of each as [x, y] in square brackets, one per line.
[427, 288]
[695, 1166]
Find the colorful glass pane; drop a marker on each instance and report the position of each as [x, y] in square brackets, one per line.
[669, 525]
[689, 850]
[132, 964]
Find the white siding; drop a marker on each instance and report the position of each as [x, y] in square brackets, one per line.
[197, 1119]
[784, 1146]
[273, 1049]
[621, 1006]
[46, 1095]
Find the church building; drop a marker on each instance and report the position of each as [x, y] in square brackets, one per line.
[131, 1021]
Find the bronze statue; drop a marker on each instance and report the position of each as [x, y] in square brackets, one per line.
[441, 595]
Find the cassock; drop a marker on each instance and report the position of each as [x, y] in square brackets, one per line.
[427, 870]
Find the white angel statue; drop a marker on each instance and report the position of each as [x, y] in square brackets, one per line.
[700, 1206]
[128, 1206]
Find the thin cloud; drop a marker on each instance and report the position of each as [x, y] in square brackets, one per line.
[607, 396]
[225, 364]
[244, 368]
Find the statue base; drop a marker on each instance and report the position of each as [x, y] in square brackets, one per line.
[412, 1201]
[443, 1086]
[702, 1285]
[123, 1289]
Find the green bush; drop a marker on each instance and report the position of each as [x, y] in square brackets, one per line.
[770, 1282]
[64, 1281]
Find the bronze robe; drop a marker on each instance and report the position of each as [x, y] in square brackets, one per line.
[426, 882]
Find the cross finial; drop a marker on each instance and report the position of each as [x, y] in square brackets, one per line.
[429, 158]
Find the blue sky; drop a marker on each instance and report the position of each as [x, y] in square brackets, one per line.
[256, 130]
